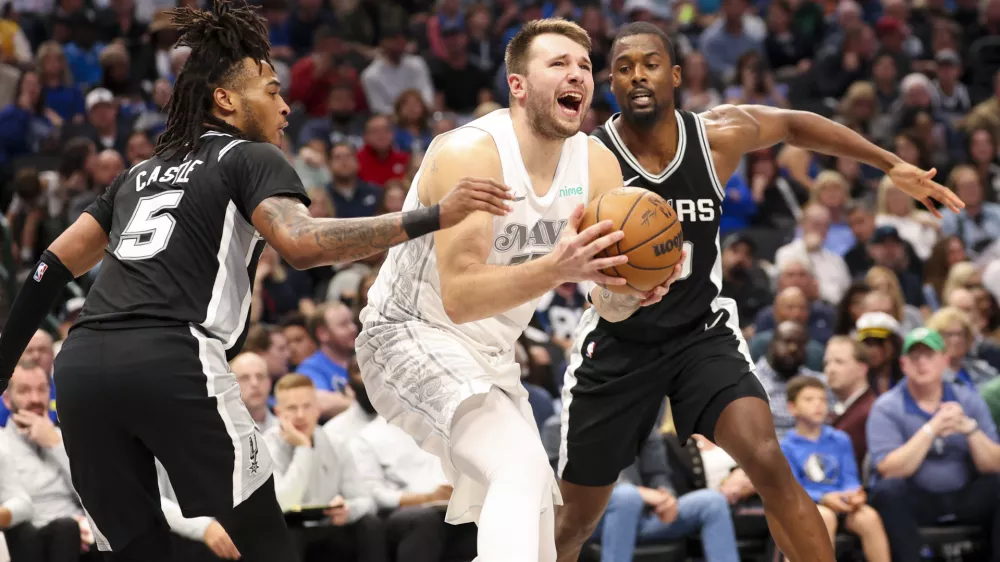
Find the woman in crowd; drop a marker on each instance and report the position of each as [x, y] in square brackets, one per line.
[411, 118]
[57, 83]
[697, 93]
[850, 308]
[946, 252]
[960, 336]
[916, 226]
[883, 280]
[981, 150]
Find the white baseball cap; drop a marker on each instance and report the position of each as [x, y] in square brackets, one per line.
[99, 95]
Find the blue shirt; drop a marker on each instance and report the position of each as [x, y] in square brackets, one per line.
[821, 317]
[65, 100]
[325, 374]
[84, 65]
[738, 207]
[363, 202]
[822, 466]
[973, 232]
[895, 418]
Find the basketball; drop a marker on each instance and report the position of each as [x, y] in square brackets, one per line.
[653, 237]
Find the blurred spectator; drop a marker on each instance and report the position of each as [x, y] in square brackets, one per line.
[460, 85]
[484, 53]
[645, 508]
[831, 271]
[846, 370]
[303, 23]
[269, 342]
[788, 51]
[103, 125]
[987, 322]
[346, 425]
[251, 371]
[327, 66]
[15, 48]
[743, 279]
[898, 210]
[831, 190]
[948, 251]
[138, 148]
[394, 71]
[332, 326]
[822, 459]
[836, 69]
[28, 125]
[726, 40]
[860, 216]
[984, 155]
[738, 206]
[790, 305]
[412, 122]
[934, 448]
[754, 84]
[378, 160]
[987, 113]
[57, 83]
[108, 164]
[311, 470]
[850, 308]
[978, 223]
[34, 447]
[779, 199]
[785, 359]
[15, 509]
[558, 312]
[300, 341]
[153, 118]
[952, 95]
[796, 272]
[41, 352]
[27, 217]
[885, 77]
[888, 250]
[393, 197]
[962, 275]
[881, 337]
[279, 289]
[696, 93]
[859, 110]
[116, 78]
[959, 335]
[83, 50]
[351, 196]
[884, 281]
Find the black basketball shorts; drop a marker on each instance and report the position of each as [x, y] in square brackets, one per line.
[129, 395]
[614, 390]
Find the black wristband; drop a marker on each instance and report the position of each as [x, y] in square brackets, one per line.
[32, 305]
[422, 221]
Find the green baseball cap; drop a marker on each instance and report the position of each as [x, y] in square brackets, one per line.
[923, 336]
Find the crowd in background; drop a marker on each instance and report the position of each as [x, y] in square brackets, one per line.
[856, 302]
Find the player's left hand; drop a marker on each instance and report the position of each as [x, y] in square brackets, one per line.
[920, 185]
[657, 294]
[38, 429]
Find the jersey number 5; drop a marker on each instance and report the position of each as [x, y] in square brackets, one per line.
[148, 232]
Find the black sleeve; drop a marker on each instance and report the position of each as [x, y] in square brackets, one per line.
[102, 209]
[258, 170]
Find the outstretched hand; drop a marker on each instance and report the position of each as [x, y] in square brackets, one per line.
[920, 185]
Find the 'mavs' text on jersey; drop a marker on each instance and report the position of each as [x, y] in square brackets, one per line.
[172, 175]
[545, 234]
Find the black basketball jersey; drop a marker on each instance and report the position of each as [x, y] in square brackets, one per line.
[182, 249]
[691, 186]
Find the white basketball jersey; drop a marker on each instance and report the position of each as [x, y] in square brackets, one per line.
[408, 287]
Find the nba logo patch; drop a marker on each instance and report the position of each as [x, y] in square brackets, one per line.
[590, 350]
[40, 271]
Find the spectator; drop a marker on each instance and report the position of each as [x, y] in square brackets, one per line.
[884, 281]
[959, 335]
[859, 110]
[484, 53]
[279, 289]
[83, 51]
[851, 308]
[34, 447]
[791, 305]
[881, 336]
[332, 326]
[754, 83]
[952, 95]
[831, 271]
[394, 71]
[311, 470]
[823, 462]
[948, 251]
[726, 40]
[27, 125]
[351, 196]
[934, 449]
[788, 51]
[846, 371]
[343, 123]
[860, 215]
[885, 77]
[645, 508]
[978, 223]
[57, 83]
[412, 116]
[836, 69]
[743, 279]
[558, 312]
[108, 164]
[738, 206]
[987, 322]
[251, 373]
[984, 155]
[697, 93]
[378, 160]
[889, 251]
[917, 227]
[41, 352]
[831, 190]
[303, 23]
[102, 126]
[315, 75]
[15, 509]
[393, 197]
[796, 272]
[270, 343]
[138, 148]
[461, 86]
[779, 199]
[300, 342]
[347, 424]
[153, 119]
[785, 359]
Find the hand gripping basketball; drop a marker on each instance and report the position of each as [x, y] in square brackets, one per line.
[574, 257]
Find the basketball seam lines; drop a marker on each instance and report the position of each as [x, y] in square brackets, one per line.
[618, 244]
[652, 268]
[651, 237]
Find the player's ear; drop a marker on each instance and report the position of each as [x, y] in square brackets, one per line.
[518, 85]
[677, 75]
[225, 100]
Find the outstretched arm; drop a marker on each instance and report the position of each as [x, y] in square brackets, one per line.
[735, 130]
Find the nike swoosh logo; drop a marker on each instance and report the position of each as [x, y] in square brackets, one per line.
[516, 199]
[719, 317]
[630, 180]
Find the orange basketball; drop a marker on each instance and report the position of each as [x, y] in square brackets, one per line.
[653, 237]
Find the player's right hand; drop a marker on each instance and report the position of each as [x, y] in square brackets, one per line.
[471, 195]
[219, 542]
[574, 257]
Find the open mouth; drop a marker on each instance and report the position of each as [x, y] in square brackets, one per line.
[570, 103]
[641, 97]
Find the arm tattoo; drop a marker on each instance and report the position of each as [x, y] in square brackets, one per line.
[332, 240]
[617, 303]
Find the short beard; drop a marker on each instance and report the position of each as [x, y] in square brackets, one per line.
[643, 121]
[251, 126]
[542, 122]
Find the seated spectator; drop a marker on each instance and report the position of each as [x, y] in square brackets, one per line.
[412, 118]
[27, 126]
[300, 341]
[888, 250]
[860, 214]
[948, 251]
[785, 359]
[408, 486]
[885, 284]
[103, 125]
[40, 351]
[378, 160]
[797, 272]
[34, 448]
[822, 459]
[255, 387]
[269, 342]
[57, 82]
[341, 122]
[846, 372]
[851, 308]
[934, 449]
[743, 279]
[881, 337]
[959, 335]
[917, 227]
[753, 83]
[350, 196]
[644, 508]
[394, 71]
[347, 424]
[314, 76]
[978, 223]
[332, 325]
[139, 147]
[193, 539]
[831, 271]
[727, 39]
[311, 470]
[790, 305]
[279, 289]
[698, 94]
[831, 190]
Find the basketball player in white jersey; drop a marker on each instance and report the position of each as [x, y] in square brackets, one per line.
[437, 347]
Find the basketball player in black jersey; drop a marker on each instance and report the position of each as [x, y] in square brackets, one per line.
[144, 371]
[630, 351]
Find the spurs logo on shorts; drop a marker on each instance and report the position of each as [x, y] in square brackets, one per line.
[254, 465]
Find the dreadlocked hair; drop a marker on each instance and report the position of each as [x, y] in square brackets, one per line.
[219, 40]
